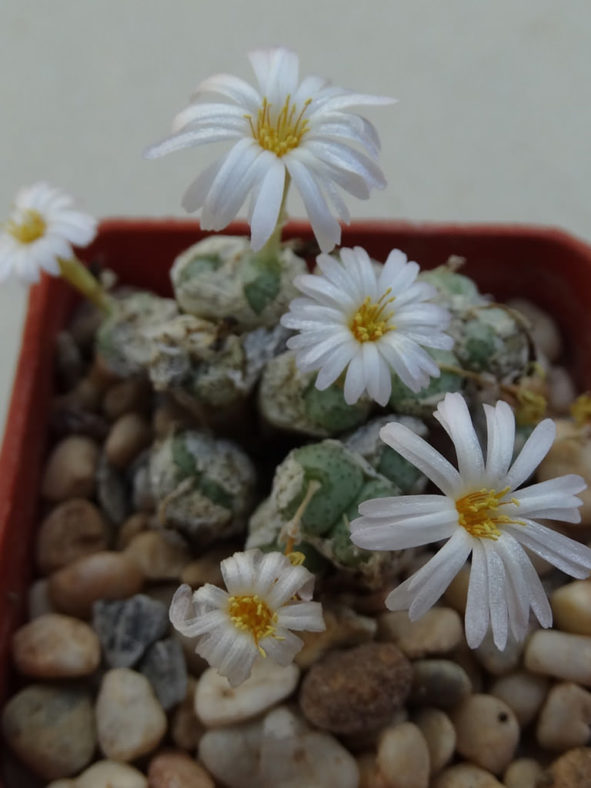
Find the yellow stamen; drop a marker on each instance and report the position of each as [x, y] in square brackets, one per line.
[477, 512]
[581, 409]
[531, 406]
[250, 613]
[371, 321]
[282, 132]
[31, 227]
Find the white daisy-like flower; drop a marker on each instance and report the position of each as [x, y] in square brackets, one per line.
[41, 230]
[369, 321]
[281, 129]
[482, 513]
[267, 597]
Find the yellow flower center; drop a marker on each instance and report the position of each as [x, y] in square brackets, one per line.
[478, 512]
[282, 134]
[372, 320]
[250, 613]
[31, 228]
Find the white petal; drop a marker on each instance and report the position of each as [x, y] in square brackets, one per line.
[564, 553]
[283, 648]
[348, 159]
[500, 426]
[302, 616]
[536, 595]
[497, 600]
[239, 573]
[233, 88]
[187, 139]
[453, 415]
[267, 205]
[535, 449]
[332, 369]
[477, 616]
[542, 499]
[325, 226]
[197, 192]
[516, 589]
[379, 534]
[204, 116]
[354, 380]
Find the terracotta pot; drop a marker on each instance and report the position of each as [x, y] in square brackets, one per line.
[546, 265]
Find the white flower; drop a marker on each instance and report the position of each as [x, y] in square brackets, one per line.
[42, 228]
[283, 128]
[481, 513]
[254, 617]
[367, 321]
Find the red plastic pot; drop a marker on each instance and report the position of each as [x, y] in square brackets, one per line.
[546, 265]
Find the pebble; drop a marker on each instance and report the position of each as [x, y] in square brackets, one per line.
[127, 627]
[105, 575]
[439, 734]
[487, 732]
[159, 556]
[38, 602]
[133, 525]
[73, 529]
[71, 469]
[62, 784]
[130, 721]
[125, 397]
[54, 646]
[206, 568]
[403, 757]
[353, 690]
[523, 773]
[439, 631]
[110, 774]
[565, 718]
[571, 607]
[232, 754]
[185, 729]
[465, 775]
[51, 729]
[561, 655]
[499, 662]
[523, 692]
[293, 756]
[571, 770]
[561, 390]
[544, 329]
[456, 593]
[439, 682]
[344, 627]
[128, 436]
[112, 491]
[217, 703]
[174, 769]
[164, 666]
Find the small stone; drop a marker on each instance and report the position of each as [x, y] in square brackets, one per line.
[216, 703]
[51, 729]
[353, 690]
[110, 774]
[70, 470]
[126, 628]
[523, 773]
[562, 391]
[134, 525]
[487, 732]
[466, 775]
[523, 692]
[62, 784]
[159, 556]
[232, 754]
[344, 627]
[565, 718]
[293, 756]
[439, 682]
[186, 730]
[128, 436]
[176, 770]
[369, 776]
[125, 397]
[571, 770]
[439, 631]
[571, 606]
[560, 655]
[440, 735]
[499, 662]
[206, 568]
[456, 593]
[112, 491]
[130, 721]
[55, 646]
[105, 575]
[74, 529]
[39, 602]
[403, 757]
[544, 330]
[164, 666]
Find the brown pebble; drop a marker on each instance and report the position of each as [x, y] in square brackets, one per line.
[71, 469]
[206, 568]
[571, 770]
[352, 690]
[128, 436]
[106, 575]
[134, 525]
[73, 529]
[174, 769]
[159, 556]
[55, 646]
[124, 397]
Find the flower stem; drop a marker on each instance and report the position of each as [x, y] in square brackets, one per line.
[292, 529]
[272, 247]
[80, 277]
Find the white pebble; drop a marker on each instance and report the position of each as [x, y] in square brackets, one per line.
[403, 757]
[439, 631]
[565, 718]
[571, 607]
[523, 692]
[107, 774]
[487, 732]
[232, 754]
[466, 775]
[523, 773]
[440, 735]
[560, 655]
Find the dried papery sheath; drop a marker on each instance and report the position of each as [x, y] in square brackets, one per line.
[267, 597]
[481, 513]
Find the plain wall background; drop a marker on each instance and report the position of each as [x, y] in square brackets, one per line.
[493, 121]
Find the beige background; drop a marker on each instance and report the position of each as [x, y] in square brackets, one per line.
[493, 121]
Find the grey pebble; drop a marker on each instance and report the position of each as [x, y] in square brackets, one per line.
[439, 682]
[127, 627]
[165, 668]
